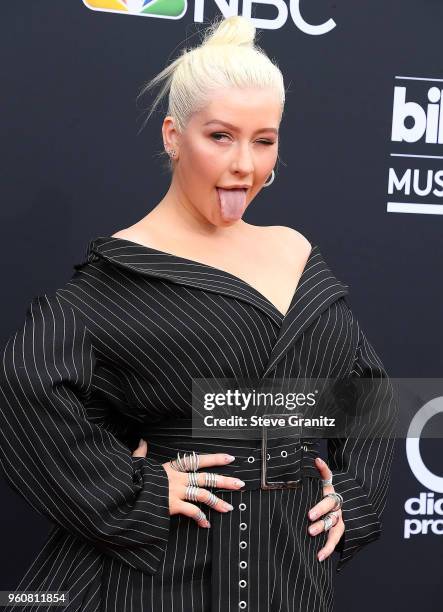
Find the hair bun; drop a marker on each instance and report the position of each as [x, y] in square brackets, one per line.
[234, 30]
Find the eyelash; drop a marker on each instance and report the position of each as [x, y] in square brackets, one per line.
[265, 142]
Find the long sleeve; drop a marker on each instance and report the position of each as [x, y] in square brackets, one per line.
[71, 470]
[361, 463]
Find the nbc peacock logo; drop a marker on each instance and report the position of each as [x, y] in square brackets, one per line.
[168, 9]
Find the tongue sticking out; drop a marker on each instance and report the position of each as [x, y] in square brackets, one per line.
[232, 203]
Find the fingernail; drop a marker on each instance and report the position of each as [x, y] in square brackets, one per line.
[320, 460]
[312, 515]
[312, 530]
[229, 507]
[206, 524]
[240, 483]
[229, 458]
[321, 557]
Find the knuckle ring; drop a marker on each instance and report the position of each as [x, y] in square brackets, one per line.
[193, 479]
[337, 498]
[211, 500]
[189, 462]
[210, 479]
[327, 519]
[326, 481]
[191, 493]
[201, 516]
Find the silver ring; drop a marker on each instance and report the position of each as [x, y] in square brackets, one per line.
[327, 519]
[326, 481]
[338, 500]
[186, 463]
[191, 493]
[212, 500]
[193, 479]
[177, 464]
[201, 516]
[193, 461]
[210, 479]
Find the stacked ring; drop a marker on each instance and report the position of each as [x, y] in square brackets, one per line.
[189, 462]
[327, 519]
[338, 500]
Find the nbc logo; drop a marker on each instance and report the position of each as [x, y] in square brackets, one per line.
[168, 9]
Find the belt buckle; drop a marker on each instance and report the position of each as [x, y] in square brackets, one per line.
[282, 484]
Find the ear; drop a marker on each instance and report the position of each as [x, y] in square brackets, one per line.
[170, 134]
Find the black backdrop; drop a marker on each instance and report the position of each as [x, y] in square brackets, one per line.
[73, 167]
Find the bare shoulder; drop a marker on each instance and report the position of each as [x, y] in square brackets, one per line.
[288, 240]
[134, 234]
[124, 233]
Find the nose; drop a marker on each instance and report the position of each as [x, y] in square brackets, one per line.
[243, 162]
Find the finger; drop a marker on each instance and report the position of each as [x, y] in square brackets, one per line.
[323, 468]
[323, 507]
[334, 535]
[141, 449]
[223, 482]
[193, 512]
[211, 459]
[319, 526]
[204, 496]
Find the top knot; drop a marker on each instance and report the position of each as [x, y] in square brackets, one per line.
[234, 30]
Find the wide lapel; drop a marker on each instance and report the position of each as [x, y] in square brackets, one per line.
[317, 289]
[151, 262]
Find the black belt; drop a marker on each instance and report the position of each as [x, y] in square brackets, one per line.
[267, 464]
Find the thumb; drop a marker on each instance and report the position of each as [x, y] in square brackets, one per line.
[141, 449]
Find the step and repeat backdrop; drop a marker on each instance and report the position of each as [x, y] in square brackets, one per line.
[360, 175]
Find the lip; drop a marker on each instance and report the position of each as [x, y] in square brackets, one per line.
[235, 187]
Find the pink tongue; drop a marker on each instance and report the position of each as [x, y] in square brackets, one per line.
[232, 202]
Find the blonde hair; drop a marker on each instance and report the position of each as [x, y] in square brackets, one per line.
[227, 57]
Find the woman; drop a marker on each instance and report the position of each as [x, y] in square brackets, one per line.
[191, 291]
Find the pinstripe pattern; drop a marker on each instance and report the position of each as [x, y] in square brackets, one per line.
[110, 357]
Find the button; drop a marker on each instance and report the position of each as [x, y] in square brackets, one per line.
[284, 453]
[243, 564]
[243, 544]
[250, 459]
[242, 583]
[268, 456]
[242, 605]
[242, 506]
[243, 526]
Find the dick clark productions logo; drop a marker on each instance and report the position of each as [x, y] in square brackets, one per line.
[425, 508]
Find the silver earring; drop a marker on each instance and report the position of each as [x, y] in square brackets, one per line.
[271, 181]
[171, 153]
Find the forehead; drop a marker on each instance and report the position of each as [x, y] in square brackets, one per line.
[248, 106]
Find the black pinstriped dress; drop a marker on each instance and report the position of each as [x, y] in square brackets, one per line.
[109, 357]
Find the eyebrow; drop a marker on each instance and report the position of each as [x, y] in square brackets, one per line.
[229, 125]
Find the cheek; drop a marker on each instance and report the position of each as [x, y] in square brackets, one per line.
[203, 160]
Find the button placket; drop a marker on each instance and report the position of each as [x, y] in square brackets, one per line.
[243, 545]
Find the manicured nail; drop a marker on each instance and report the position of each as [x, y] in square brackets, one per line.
[206, 524]
[229, 507]
[239, 483]
[321, 557]
[312, 515]
[229, 458]
[312, 530]
[320, 460]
